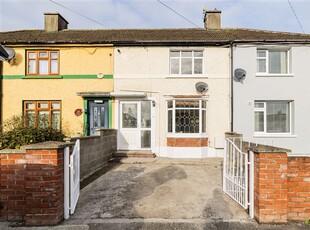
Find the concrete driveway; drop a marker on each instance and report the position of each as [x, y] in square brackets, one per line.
[163, 189]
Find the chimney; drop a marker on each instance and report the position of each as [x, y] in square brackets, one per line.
[212, 19]
[54, 22]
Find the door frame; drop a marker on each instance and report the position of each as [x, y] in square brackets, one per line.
[118, 118]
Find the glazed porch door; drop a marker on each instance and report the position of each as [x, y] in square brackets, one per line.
[135, 125]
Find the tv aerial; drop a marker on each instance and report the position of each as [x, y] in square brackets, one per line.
[239, 74]
[201, 87]
[6, 53]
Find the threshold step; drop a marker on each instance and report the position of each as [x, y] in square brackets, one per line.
[134, 153]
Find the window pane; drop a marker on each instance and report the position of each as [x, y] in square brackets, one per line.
[186, 66]
[42, 54]
[259, 105]
[30, 118]
[198, 66]
[186, 104]
[145, 139]
[175, 66]
[278, 117]
[186, 121]
[204, 121]
[261, 53]
[198, 53]
[170, 104]
[102, 116]
[56, 120]
[186, 54]
[55, 106]
[32, 66]
[54, 54]
[32, 54]
[30, 106]
[259, 121]
[145, 114]
[174, 53]
[43, 106]
[170, 121]
[261, 66]
[43, 66]
[54, 66]
[129, 115]
[277, 62]
[43, 119]
[204, 104]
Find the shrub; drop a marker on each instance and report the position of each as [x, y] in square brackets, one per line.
[14, 134]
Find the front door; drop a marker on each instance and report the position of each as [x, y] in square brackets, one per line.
[135, 125]
[98, 115]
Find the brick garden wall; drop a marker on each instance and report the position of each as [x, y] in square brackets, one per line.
[281, 186]
[32, 184]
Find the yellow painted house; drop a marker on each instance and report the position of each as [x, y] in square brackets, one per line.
[63, 83]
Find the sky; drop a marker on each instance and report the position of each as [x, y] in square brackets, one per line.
[276, 15]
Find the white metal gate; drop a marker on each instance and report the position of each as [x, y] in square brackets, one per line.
[72, 179]
[236, 175]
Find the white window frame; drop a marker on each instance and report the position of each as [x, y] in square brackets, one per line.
[193, 59]
[288, 63]
[173, 109]
[264, 110]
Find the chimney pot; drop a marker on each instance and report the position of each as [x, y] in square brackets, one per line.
[212, 19]
[54, 22]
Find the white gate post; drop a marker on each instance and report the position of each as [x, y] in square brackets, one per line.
[66, 183]
[251, 186]
[224, 165]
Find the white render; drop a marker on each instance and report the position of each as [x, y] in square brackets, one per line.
[294, 86]
[146, 69]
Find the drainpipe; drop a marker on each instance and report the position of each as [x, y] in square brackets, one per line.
[231, 86]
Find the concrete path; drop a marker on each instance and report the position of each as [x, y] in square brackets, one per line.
[159, 194]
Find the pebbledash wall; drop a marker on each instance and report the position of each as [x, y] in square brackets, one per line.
[281, 185]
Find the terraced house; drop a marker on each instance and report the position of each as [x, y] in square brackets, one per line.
[171, 92]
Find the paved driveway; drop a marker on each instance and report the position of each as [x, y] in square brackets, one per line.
[164, 190]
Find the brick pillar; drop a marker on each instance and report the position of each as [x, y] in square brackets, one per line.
[270, 187]
[12, 185]
[44, 184]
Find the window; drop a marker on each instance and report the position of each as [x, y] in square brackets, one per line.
[186, 62]
[187, 116]
[272, 62]
[42, 62]
[272, 116]
[42, 114]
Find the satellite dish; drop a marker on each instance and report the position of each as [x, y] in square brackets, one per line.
[201, 87]
[6, 53]
[240, 74]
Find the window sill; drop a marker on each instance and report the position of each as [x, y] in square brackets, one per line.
[274, 75]
[276, 135]
[42, 77]
[187, 135]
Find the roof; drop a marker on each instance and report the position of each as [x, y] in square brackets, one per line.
[148, 36]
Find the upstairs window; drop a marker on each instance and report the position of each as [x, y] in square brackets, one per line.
[42, 114]
[186, 62]
[43, 62]
[187, 116]
[272, 62]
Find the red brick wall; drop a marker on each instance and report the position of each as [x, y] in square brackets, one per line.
[32, 186]
[270, 187]
[12, 171]
[298, 188]
[187, 142]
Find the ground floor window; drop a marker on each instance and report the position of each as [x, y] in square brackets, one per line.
[42, 114]
[272, 116]
[186, 116]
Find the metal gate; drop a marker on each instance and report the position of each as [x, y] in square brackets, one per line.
[236, 175]
[72, 179]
